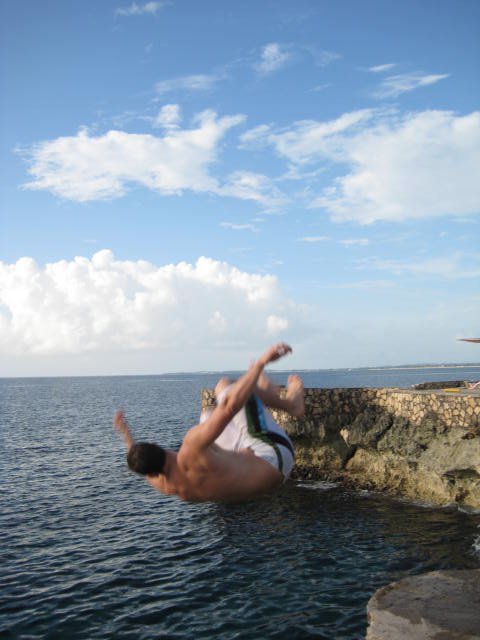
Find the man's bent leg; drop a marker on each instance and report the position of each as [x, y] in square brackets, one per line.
[292, 403]
[222, 384]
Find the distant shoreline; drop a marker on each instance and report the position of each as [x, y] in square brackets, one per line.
[423, 366]
[408, 367]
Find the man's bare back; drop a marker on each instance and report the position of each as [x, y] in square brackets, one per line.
[202, 470]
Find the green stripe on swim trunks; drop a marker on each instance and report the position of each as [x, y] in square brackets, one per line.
[255, 429]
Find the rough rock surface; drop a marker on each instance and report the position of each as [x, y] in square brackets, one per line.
[441, 605]
[440, 385]
[420, 444]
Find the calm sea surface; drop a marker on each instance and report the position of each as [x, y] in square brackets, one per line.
[89, 551]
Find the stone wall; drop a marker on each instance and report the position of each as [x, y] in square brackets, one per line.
[421, 444]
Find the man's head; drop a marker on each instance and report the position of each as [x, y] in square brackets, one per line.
[146, 458]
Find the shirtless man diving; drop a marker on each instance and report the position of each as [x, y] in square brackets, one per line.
[237, 452]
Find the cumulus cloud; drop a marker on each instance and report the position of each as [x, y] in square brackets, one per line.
[418, 166]
[149, 8]
[392, 167]
[107, 305]
[393, 86]
[276, 325]
[274, 57]
[85, 167]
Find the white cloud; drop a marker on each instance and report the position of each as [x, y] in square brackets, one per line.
[308, 140]
[217, 322]
[274, 57]
[352, 242]
[198, 82]
[102, 305]
[276, 324]
[168, 117]
[313, 239]
[258, 135]
[239, 227]
[247, 185]
[135, 9]
[393, 86]
[85, 167]
[381, 68]
[392, 167]
[420, 166]
[320, 87]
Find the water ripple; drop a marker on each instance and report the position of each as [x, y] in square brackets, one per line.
[90, 551]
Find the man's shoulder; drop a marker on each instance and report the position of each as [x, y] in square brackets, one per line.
[192, 438]
[193, 447]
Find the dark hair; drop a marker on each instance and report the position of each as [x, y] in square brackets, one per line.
[146, 458]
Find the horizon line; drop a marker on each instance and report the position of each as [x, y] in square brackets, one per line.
[442, 365]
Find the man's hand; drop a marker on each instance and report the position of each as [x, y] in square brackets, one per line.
[275, 352]
[121, 426]
[204, 434]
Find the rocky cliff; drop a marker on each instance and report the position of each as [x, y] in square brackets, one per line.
[423, 444]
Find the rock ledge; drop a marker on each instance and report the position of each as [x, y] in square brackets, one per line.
[441, 605]
[415, 443]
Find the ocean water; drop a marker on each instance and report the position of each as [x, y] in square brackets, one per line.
[88, 550]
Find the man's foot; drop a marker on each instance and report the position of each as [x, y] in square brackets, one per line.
[295, 396]
[265, 384]
[473, 385]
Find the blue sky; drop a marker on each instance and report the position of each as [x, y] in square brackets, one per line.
[188, 181]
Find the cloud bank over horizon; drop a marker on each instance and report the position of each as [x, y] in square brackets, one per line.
[103, 316]
[102, 305]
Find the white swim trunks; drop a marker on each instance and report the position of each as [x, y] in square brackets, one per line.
[254, 427]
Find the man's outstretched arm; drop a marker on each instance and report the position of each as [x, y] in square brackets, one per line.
[204, 434]
[121, 426]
